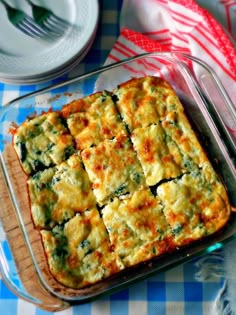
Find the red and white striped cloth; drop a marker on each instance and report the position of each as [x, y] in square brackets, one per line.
[183, 25]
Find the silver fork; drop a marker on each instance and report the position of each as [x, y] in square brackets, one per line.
[48, 20]
[24, 22]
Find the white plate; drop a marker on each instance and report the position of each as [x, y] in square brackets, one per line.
[25, 59]
[53, 74]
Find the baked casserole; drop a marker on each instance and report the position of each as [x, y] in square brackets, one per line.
[117, 178]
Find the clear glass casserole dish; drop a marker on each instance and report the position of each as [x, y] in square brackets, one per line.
[22, 260]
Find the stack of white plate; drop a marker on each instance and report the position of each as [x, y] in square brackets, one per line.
[25, 60]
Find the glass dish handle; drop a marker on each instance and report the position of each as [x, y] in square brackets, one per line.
[9, 277]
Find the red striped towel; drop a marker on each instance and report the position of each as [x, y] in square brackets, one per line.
[183, 25]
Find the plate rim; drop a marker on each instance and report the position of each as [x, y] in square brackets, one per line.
[52, 72]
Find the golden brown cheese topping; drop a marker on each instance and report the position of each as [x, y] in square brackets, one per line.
[143, 101]
[58, 193]
[182, 141]
[93, 119]
[117, 178]
[42, 141]
[154, 154]
[80, 253]
[192, 203]
[137, 227]
[113, 168]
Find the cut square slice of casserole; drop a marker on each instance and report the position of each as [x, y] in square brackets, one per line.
[154, 154]
[144, 101]
[79, 253]
[137, 227]
[56, 194]
[42, 141]
[93, 119]
[182, 142]
[113, 168]
[195, 205]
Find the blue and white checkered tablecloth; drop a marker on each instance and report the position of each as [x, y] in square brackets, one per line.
[184, 289]
[175, 292]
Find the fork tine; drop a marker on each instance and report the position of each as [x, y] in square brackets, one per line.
[35, 27]
[55, 31]
[54, 28]
[25, 28]
[24, 22]
[29, 28]
[57, 19]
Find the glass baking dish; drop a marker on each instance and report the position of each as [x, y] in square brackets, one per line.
[22, 260]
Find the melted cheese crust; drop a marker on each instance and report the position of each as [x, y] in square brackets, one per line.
[182, 142]
[168, 149]
[196, 205]
[153, 152]
[113, 168]
[137, 227]
[42, 197]
[143, 101]
[93, 119]
[80, 254]
[42, 142]
[58, 193]
[136, 184]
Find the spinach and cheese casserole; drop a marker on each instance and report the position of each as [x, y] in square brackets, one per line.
[117, 178]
